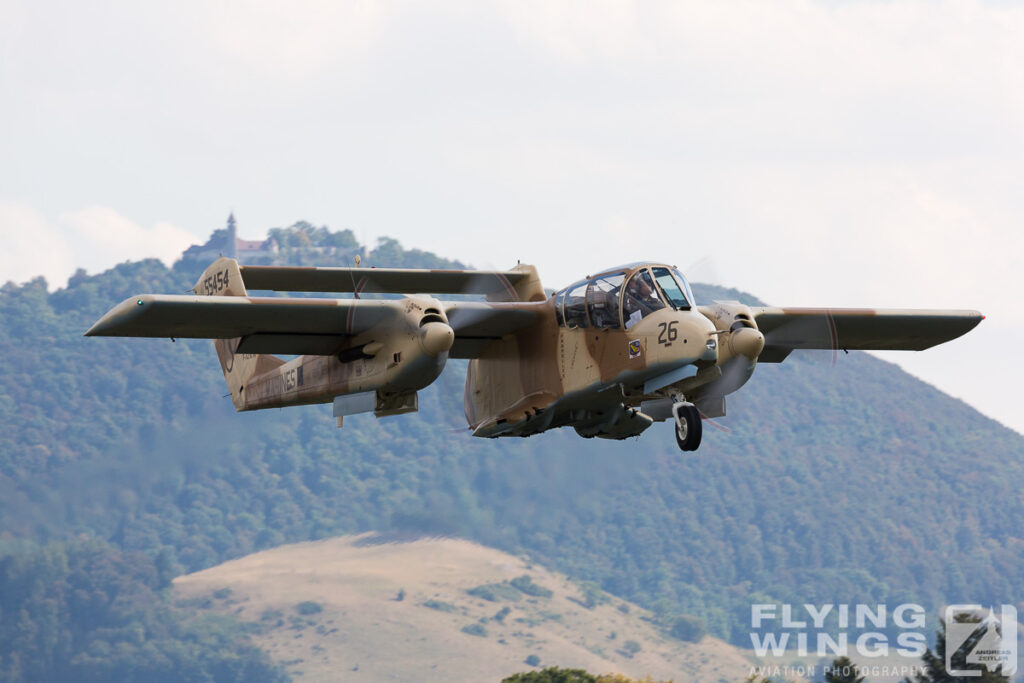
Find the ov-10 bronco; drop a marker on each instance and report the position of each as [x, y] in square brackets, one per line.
[608, 355]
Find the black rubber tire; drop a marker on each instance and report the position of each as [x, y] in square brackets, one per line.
[694, 429]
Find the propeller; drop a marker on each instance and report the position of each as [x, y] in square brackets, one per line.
[466, 318]
[705, 270]
[809, 332]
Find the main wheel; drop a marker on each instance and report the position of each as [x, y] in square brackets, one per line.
[688, 428]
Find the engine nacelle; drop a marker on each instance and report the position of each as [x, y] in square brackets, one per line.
[415, 359]
[740, 343]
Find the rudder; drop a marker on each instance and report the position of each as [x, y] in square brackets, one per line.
[224, 278]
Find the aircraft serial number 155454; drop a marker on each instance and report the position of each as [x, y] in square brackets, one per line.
[608, 355]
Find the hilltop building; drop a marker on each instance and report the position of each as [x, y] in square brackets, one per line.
[225, 242]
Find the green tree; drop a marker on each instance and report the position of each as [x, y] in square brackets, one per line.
[88, 612]
[688, 628]
[309, 607]
[552, 675]
[526, 585]
[475, 629]
[842, 670]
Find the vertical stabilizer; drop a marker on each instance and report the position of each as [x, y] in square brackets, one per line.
[223, 278]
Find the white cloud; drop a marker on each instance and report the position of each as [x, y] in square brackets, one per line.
[32, 247]
[105, 237]
[94, 238]
[579, 32]
[290, 40]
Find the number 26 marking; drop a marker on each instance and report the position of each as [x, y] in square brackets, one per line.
[668, 333]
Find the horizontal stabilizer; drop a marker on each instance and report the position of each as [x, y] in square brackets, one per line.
[496, 285]
[225, 317]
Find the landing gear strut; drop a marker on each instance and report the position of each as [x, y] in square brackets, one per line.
[688, 425]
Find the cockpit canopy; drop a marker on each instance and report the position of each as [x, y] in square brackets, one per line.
[622, 297]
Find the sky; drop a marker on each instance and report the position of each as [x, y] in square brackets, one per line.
[812, 153]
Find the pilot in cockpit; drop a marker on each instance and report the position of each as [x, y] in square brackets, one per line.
[641, 299]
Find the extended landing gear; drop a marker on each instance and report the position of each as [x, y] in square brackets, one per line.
[688, 426]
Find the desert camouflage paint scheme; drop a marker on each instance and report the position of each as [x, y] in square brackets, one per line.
[608, 355]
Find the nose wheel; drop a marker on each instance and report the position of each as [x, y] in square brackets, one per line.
[688, 426]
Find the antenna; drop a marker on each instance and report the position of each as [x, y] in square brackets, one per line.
[355, 291]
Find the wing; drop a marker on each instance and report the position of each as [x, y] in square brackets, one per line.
[299, 326]
[867, 329]
[496, 285]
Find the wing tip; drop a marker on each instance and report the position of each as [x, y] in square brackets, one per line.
[103, 326]
[107, 324]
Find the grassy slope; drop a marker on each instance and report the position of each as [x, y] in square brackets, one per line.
[364, 633]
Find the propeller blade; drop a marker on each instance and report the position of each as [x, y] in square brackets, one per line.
[803, 332]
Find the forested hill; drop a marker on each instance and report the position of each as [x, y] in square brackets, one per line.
[852, 483]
